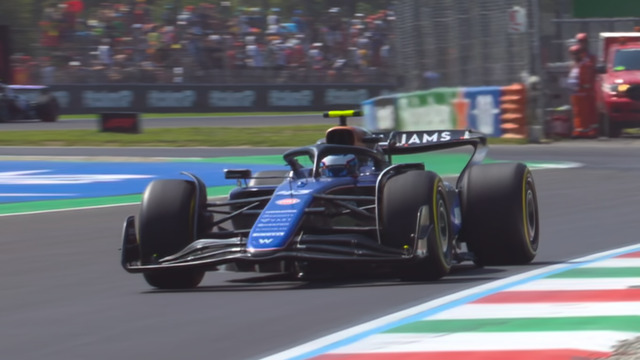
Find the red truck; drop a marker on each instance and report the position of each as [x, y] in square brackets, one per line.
[618, 69]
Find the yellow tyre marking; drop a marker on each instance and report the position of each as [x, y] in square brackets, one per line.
[525, 219]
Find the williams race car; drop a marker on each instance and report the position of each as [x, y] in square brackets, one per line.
[340, 202]
[27, 102]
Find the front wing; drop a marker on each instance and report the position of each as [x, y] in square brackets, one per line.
[209, 253]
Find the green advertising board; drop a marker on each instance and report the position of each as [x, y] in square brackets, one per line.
[427, 110]
[606, 9]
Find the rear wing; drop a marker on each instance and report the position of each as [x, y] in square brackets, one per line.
[414, 142]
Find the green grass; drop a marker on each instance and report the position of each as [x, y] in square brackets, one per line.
[186, 115]
[272, 136]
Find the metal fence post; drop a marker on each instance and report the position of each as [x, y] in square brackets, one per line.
[536, 132]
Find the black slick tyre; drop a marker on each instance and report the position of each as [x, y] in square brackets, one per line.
[5, 114]
[166, 226]
[500, 222]
[415, 216]
[47, 109]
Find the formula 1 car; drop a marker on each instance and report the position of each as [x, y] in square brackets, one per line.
[26, 102]
[340, 202]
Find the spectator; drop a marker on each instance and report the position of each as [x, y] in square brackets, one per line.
[210, 41]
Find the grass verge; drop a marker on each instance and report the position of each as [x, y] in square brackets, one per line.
[272, 136]
[186, 115]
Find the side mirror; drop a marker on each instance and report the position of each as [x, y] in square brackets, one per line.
[238, 175]
[601, 68]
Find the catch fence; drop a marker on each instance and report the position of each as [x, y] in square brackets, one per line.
[462, 43]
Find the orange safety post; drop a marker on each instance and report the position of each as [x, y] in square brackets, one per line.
[513, 108]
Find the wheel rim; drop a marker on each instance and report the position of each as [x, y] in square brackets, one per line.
[443, 225]
[530, 208]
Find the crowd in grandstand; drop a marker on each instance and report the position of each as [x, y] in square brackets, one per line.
[207, 43]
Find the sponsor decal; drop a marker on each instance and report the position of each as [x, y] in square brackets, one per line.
[279, 211]
[345, 96]
[288, 201]
[269, 234]
[290, 98]
[485, 112]
[265, 241]
[386, 116]
[158, 98]
[219, 98]
[293, 192]
[107, 99]
[18, 195]
[39, 177]
[120, 122]
[426, 137]
[430, 116]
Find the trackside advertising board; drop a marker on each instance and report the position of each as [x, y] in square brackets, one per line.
[483, 109]
[194, 98]
[477, 108]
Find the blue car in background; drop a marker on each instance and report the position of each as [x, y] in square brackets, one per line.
[339, 204]
[27, 102]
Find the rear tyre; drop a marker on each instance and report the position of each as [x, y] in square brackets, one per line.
[166, 226]
[5, 115]
[500, 222]
[415, 215]
[47, 109]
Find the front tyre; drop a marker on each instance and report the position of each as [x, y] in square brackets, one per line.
[415, 215]
[500, 222]
[166, 226]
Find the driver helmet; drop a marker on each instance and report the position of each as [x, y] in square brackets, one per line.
[339, 165]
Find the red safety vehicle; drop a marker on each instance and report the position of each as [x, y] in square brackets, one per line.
[618, 69]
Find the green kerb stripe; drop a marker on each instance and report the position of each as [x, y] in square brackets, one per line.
[596, 272]
[613, 323]
[34, 206]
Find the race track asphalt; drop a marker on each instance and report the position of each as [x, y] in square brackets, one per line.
[65, 296]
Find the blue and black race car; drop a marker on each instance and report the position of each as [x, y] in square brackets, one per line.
[340, 202]
[27, 102]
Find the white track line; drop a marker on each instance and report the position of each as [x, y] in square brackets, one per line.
[551, 310]
[600, 341]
